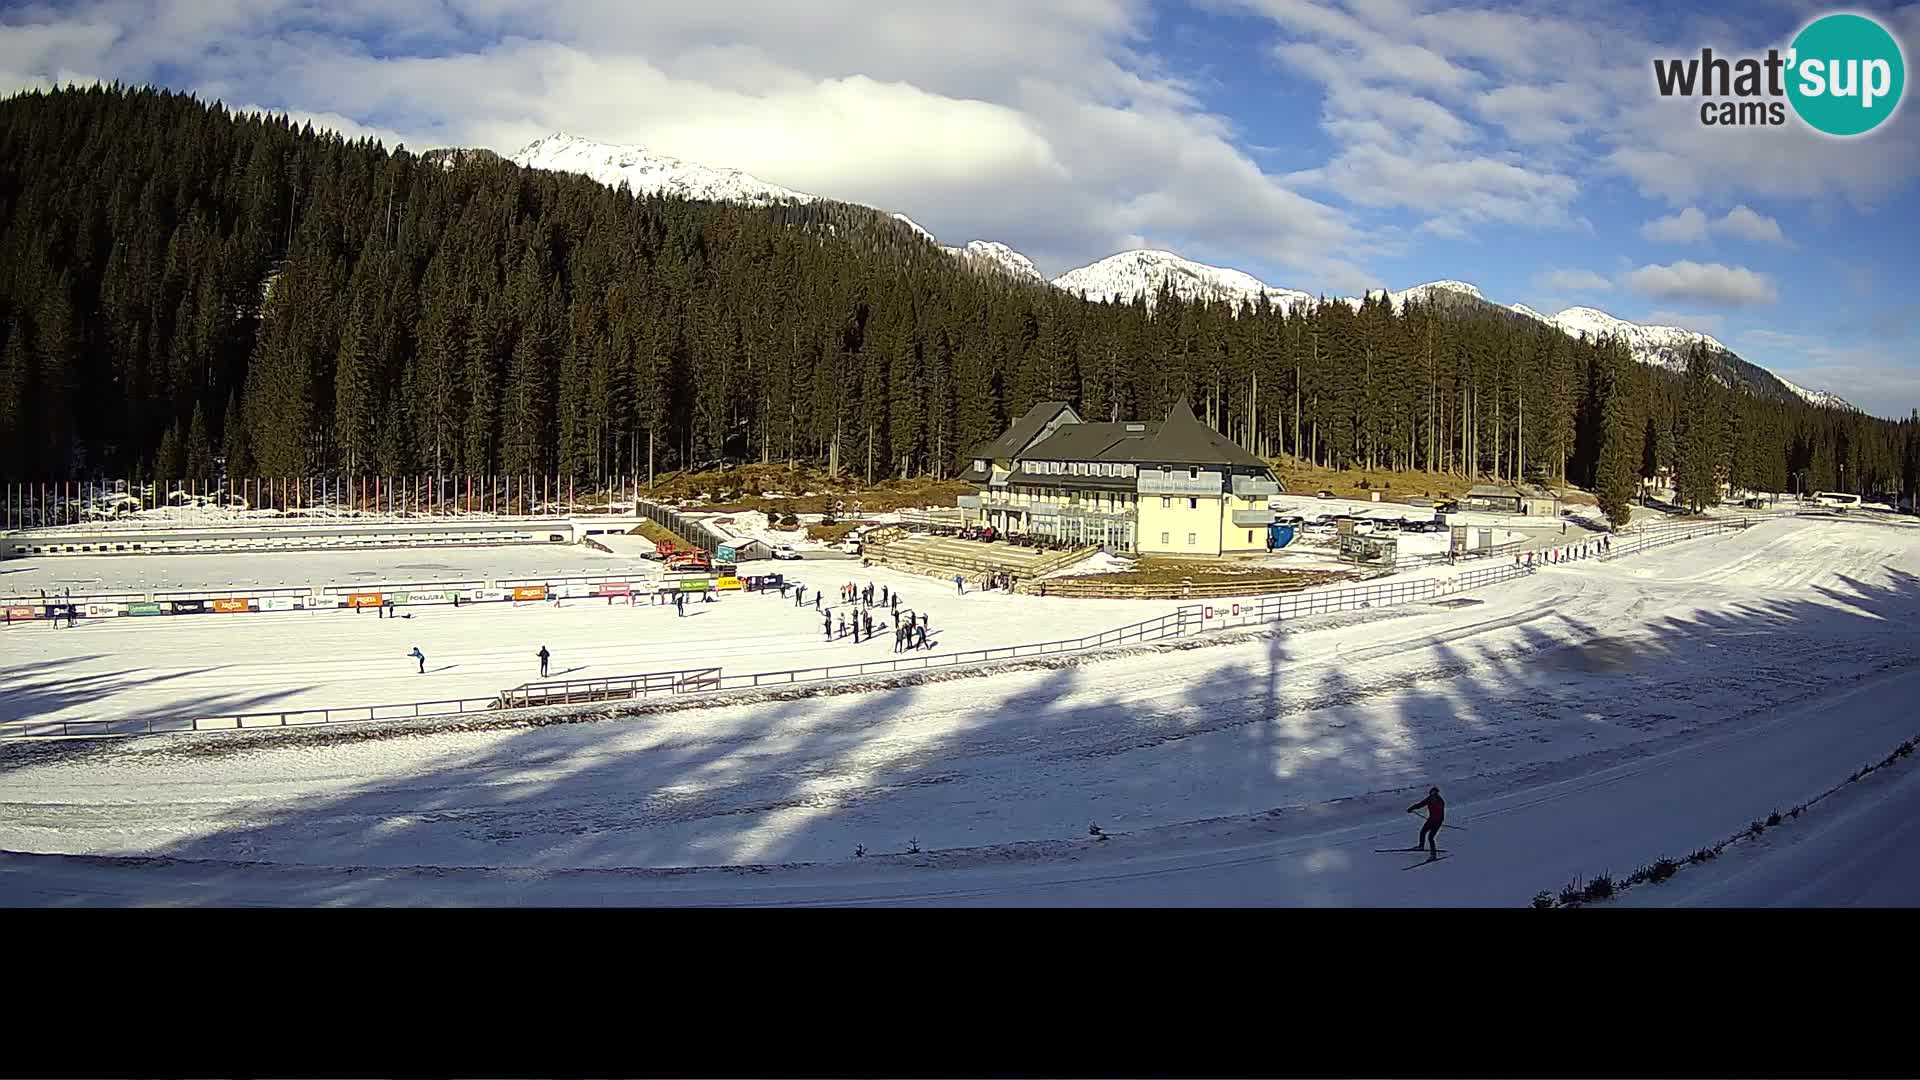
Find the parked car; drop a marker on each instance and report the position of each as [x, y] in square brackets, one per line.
[785, 551]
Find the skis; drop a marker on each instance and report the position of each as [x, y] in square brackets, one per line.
[1402, 850]
[1425, 862]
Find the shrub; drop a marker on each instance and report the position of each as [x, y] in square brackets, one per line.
[859, 851]
[789, 520]
[1600, 888]
[913, 846]
[1543, 899]
[1571, 894]
[1756, 828]
[1773, 819]
[1662, 869]
[1701, 855]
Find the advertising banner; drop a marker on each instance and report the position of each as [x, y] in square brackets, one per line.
[21, 614]
[489, 594]
[145, 609]
[98, 610]
[428, 597]
[729, 583]
[530, 592]
[614, 588]
[280, 603]
[235, 604]
[575, 589]
[363, 599]
[693, 584]
[189, 607]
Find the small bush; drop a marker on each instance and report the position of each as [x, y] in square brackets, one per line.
[1757, 827]
[1701, 855]
[1662, 869]
[1600, 888]
[859, 851]
[1543, 899]
[789, 521]
[1571, 893]
[913, 846]
[1773, 819]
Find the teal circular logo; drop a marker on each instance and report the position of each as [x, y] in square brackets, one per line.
[1846, 74]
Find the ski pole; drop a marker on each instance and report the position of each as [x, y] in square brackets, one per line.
[1444, 825]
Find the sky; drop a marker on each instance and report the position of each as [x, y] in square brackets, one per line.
[1324, 145]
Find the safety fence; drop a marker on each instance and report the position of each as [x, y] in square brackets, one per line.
[610, 688]
[1189, 619]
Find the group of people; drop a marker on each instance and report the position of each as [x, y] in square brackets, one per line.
[856, 618]
[990, 580]
[1554, 556]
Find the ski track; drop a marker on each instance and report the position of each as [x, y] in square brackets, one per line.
[1562, 675]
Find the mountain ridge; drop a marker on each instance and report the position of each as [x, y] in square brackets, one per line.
[1137, 272]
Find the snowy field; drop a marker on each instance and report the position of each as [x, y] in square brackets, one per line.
[215, 665]
[1584, 719]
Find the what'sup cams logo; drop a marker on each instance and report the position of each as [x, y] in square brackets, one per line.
[1843, 74]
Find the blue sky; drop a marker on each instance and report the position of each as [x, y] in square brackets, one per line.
[1327, 145]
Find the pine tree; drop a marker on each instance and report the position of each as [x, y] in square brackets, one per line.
[235, 446]
[169, 462]
[197, 454]
[1618, 445]
[1700, 451]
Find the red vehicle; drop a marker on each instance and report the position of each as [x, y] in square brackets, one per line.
[689, 560]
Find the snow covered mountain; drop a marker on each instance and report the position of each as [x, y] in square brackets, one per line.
[1822, 398]
[1144, 271]
[1140, 272]
[994, 256]
[649, 173]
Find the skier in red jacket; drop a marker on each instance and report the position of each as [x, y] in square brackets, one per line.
[1436, 808]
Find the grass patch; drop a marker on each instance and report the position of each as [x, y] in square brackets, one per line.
[831, 534]
[1152, 571]
[775, 489]
[659, 533]
[1394, 485]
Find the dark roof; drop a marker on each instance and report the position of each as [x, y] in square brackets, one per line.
[1095, 442]
[1183, 439]
[1023, 431]
[1070, 480]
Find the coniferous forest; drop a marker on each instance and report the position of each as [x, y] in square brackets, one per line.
[186, 292]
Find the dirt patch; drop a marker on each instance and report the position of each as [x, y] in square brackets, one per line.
[1152, 571]
[659, 533]
[831, 534]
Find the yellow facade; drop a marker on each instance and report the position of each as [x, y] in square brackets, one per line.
[1198, 525]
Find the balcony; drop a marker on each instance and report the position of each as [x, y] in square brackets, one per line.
[968, 502]
[1254, 487]
[1253, 519]
[1165, 482]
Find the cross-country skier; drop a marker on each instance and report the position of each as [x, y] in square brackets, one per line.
[1436, 808]
[827, 624]
[420, 656]
[959, 585]
[867, 621]
[544, 656]
[920, 631]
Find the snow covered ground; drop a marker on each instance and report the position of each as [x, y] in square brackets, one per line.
[1586, 718]
[216, 665]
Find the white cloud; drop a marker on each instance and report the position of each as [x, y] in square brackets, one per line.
[1752, 225]
[1048, 125]
[1692, 320]
[1578, 280]
[1691, 226]
[1705, 284]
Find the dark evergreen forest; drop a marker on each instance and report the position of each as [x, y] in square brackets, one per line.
[186, 292]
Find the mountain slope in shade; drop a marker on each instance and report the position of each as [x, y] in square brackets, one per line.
[1143, 272]
[649, 173]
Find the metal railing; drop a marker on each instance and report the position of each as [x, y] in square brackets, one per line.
[1188, 619]
[413, 710]
[613, 687]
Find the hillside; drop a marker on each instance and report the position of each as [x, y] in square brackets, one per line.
[191, 293]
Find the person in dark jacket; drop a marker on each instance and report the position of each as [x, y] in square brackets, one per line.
[920, 631]
[420, 656]
[544, 656]
[1436, 809]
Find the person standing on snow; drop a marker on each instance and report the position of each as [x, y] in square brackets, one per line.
[1436, 808]
[544, 656]
[420, 656]
[959, 585]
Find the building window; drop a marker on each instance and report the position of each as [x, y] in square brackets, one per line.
[1193, 504]
[1166, 502]
[1193, 472]
[1163, 539]
[1193, 540]
[1249, 536]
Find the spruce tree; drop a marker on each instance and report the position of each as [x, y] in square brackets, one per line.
[1618, 444]
[197, 454]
